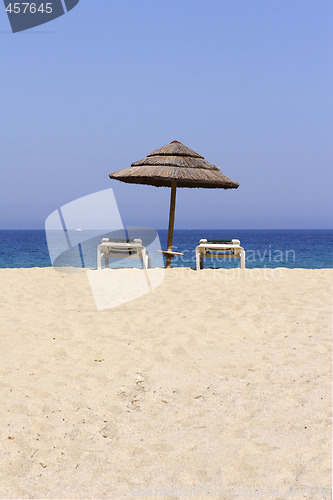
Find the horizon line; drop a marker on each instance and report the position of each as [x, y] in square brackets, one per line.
[193, 229]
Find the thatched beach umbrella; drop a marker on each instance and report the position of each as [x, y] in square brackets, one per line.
[174, 165]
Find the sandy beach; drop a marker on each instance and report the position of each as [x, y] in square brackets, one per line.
[217, 383]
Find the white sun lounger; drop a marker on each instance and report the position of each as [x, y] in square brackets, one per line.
[216, 249]
[121, 249]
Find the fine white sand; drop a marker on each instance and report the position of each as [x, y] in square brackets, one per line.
[215, 382]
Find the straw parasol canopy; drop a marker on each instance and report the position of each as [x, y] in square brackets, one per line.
[174, 165]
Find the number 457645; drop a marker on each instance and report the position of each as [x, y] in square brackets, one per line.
[29, 8]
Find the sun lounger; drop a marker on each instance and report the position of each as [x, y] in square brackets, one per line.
[117, 248]
[219, 248]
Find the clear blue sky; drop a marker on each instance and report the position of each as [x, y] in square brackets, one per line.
[246, 83]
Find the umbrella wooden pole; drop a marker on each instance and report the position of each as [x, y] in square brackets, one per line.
[171, 222]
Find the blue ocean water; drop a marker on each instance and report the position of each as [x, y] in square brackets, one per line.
[308, 249]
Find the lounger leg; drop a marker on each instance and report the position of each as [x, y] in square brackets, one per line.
[242, 258]
[144, 259]
[106, 261]
[201, 261]
[99, 259]
[197, 259]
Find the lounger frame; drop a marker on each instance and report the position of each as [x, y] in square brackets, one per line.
[112, 249]
[231, 250]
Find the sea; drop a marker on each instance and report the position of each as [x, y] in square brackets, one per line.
[292, 248]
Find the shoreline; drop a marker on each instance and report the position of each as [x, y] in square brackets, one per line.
[191, 268]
